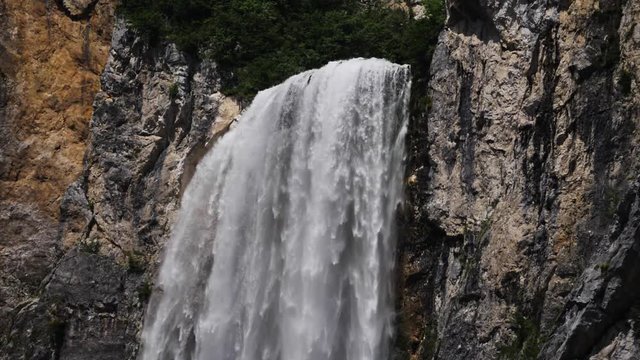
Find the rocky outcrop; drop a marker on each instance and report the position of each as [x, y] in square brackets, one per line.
[50, 66]
[78, 9]
[156, 114]
[521, 235]
[522, 222]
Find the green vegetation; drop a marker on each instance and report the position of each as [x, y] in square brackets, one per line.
[90, 246]
[145, 290]
[527, 343]
[430, 342]
[603, 267]
[136, 263]
[485, 227]
[612, 199]
[173, 91]
[259, 43]
[625, 82]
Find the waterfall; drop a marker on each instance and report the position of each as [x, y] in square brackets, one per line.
[285, 243]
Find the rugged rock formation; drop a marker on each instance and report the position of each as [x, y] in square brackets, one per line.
[521, 234]
[155, 116]
[50, 66]
[524, 214]
[77, 9]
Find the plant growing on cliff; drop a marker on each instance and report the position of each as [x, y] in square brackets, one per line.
[603, 267]
[527, 342]
[259, 43]
[174, 90]
[136, 263]
[90, 246]
[145, 290]
[611, 199]
[625, 82]
[56, 326]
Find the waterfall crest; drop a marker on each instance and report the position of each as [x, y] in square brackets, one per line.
[285, 243]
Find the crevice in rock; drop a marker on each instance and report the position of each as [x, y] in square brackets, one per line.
[469, 17]
[3, 94]
[467, 135]
[540, 136]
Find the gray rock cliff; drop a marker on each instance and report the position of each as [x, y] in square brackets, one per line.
[523, 221]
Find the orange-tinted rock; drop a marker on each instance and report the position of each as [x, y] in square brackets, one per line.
[50, 66]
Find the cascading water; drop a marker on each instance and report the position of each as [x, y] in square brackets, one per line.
[284, 247]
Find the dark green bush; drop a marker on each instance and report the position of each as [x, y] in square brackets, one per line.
[603, 267]
[174, 91]
[612, 198]
[527, 343]
[90, 246]
[625, 82]
[136, 263]
[145, 290]
[259, 43]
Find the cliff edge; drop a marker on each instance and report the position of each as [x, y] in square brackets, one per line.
[524, 214]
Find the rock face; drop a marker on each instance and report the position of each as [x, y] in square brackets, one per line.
[521, 235]
[155, 116]
[50, 65]
[78, 9]
[523, 221]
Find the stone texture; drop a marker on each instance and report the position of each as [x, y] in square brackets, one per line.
[522, 228]
[77, 9]
[521, 232]
[50, 66]
[157, 113]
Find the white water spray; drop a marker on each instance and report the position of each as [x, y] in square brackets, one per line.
[285, 243]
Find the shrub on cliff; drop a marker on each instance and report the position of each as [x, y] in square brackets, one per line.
[259, 43]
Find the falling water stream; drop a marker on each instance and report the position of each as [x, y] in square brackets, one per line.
[284, 246]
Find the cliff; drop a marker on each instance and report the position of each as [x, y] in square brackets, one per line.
[51, 58]
[521, 232]
[524, 217]
[155, 115]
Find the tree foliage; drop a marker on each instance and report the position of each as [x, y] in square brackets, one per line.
[259, 43]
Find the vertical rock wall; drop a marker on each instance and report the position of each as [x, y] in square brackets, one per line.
[156, 114]
[524, 218]
[50, 64]
[522, 227]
